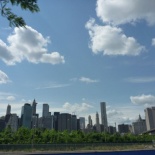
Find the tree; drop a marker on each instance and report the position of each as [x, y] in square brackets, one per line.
[14, 20]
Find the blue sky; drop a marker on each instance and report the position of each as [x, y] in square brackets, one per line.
[75, 54]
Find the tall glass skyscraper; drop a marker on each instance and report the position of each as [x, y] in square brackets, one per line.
[26, 115]
[104, 115]
[45, 110]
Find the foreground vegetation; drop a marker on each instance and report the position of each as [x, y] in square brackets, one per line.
[39, 136]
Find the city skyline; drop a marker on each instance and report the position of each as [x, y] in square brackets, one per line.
[75, 54]
[100, 118]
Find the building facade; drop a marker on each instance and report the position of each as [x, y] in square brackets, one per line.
[104, 121]
[123, 128]
[150, 118]
[45, 110]
[139, 126]
[26, 115]
[64, 122]
[82, 123]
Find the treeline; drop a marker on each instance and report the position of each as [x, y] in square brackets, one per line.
[40, 136]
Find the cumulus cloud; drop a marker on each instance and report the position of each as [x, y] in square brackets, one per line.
[77, 108]
[3, 78]
[126, 11]
[111, 40]
[28, 44]
[143, 99]
[87, 80]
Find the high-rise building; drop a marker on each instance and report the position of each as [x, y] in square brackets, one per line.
[150, 118]
[26, 115]
[123, 128]
[104, 115]
[55, 120]
[139, 126]
[73, 122]
[90, 121]
[97, 125]
[82, 123]
[111, 129]
[64, 122]
[34, 104]
[13, 122]
[97, 118]
[45, 110]
[8, 110]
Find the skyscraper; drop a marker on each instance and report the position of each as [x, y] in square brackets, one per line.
[45, 110]
[90, 121]
[26, 115]
[64, 122]
[150, 118]
[8, 110]
[34, 104]
[97, 118]
[82, 123]
[104, 115]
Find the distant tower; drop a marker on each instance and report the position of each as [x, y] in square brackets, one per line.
[104, 115]
[90, 121]
[34, 104]
[97, 118]
[8, 110]
[45, 110]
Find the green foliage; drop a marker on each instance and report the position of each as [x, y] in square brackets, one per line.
[46, 136]
[14, 20]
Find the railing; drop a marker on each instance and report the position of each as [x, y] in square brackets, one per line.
[71, 147]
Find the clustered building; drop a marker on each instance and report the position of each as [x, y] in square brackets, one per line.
[65, 121]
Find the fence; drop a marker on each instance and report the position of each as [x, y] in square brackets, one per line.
[71, 147]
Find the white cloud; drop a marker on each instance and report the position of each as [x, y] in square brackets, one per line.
[87, 80]
[53, 85]
[126, 11]
[143, 99]
[111, 40]
[141, 79]
[11, 98]
[3, 78]
[28, 44]
[153, 42]
[76, 108]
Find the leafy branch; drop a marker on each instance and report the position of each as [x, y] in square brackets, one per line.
[14, 20]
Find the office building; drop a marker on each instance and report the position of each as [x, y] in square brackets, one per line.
[8, 110]
[73, 122]
[111, 129]
[34, 104]
[82, 123]
[139, 126]
[78, 124]
[2, 123]
[13, 122]
[90, 123]
[104, 121]
[45, 110]
[55, 120]
[97, 125]
[64, 122]
[150, 118]
[26, 115]
[123, 128]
